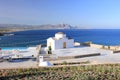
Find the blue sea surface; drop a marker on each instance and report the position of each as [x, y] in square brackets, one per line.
[36, 37]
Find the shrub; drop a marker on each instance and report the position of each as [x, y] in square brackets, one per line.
[85, 72]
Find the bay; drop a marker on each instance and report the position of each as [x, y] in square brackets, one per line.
[36, 37]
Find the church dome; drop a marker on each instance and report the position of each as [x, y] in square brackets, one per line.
[59, 33]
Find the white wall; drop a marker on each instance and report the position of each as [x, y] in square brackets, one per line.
[58, 44]
[50, 40]
[70, 43]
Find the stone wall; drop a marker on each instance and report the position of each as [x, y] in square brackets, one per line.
[96, 46]
[113, 48]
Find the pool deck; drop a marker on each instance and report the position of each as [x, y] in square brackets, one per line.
[106, 57]
[28, 52]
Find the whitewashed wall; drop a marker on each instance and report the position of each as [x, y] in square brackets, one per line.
[52, 41]
[70, 43]
[58, 44]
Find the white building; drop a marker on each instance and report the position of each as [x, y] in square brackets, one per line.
[60, 41]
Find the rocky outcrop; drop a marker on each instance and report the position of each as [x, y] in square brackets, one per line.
[1, 34]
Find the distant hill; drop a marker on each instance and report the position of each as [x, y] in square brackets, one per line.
[19, 27]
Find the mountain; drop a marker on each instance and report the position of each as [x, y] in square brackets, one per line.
[19, 27]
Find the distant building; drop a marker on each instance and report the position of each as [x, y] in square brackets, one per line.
[60, 41]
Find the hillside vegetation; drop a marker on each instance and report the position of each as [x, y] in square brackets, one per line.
[88, 72]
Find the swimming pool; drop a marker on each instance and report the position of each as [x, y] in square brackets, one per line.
[14, 48]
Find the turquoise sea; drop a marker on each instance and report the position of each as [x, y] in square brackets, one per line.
[35, 37]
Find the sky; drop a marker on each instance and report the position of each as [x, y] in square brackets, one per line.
[86, 13]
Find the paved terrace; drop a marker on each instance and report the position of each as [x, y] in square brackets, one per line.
[105, 57]
[79, 51]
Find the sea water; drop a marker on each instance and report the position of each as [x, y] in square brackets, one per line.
[36, 37]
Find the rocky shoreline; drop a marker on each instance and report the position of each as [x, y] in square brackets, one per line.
[1, 34]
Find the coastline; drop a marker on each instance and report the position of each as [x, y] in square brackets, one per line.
[106, 57]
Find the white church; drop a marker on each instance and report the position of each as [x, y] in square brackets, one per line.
[60, 41]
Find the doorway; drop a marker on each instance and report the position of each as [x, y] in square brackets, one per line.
[64, 45]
